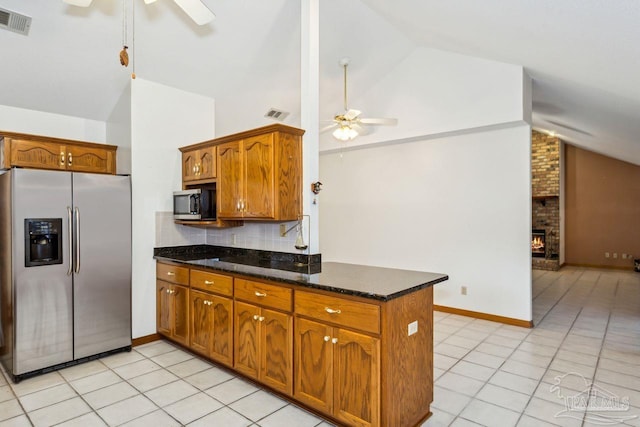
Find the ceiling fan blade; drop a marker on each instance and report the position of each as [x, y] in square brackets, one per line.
[352, 114]
[371, 121]
[196, 10]
[360, 129]
[327, 128]
[79, 3]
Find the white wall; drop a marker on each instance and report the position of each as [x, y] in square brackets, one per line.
[119, 131]
[459, 205]
[163, 119]
[21, 120]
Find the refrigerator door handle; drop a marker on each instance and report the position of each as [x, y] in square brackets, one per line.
[70, 228]
[77, 242]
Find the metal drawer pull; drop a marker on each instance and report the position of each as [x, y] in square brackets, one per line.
[327, 338]
[62, 158]
[261, 318]
[332, 311]
[170, 273]
[255, 317]
[69, 159]
[260, 294]
[208, 282]
[207, 302]
[334, 340]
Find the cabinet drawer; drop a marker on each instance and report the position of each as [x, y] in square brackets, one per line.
[172, 273]
[212, 282]
[344, 312]
[263, 294]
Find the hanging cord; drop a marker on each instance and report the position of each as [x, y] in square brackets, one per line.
[124, 56]
[133, 39]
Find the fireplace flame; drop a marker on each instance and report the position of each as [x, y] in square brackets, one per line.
[537, 243]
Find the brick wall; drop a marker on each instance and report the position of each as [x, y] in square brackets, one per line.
[545, 207]
[545, 165]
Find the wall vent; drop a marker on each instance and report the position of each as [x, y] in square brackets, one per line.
[276, 114]
[15, 22]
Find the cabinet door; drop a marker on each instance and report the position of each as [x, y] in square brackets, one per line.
[180, 314]
[229, 185]
[163, 307]
[201, 322]
[41, 155]
[207, 163]
[246, 339]
[88, 159]
[189, 161]
[259, 177]
[314, 365]
[356, 378]
[276, 350]
[222, 313]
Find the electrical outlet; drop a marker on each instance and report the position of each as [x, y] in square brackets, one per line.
[463, 290]
[615, 255]
[412, 328]
[606, 254]
[624, 256]
[283, 230]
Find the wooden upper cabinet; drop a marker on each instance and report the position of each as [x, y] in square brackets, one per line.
[34, 154]
[199, 165]
[258, 170]
[258, 173]
[90, 159]
[30, 151]
[229, 185]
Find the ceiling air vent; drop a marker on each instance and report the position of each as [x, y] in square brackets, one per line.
[15, 22]
[276, 114]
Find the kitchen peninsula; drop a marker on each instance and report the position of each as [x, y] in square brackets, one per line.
[351, 342]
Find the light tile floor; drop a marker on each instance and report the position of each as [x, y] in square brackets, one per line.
[587, 338]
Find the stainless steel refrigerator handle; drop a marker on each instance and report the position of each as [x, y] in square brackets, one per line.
[77, 243]
[70, 225]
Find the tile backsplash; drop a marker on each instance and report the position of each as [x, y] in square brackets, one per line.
[256, 235]
[252, 235]
[170, 234]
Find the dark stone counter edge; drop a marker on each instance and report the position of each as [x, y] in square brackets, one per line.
[280, 276]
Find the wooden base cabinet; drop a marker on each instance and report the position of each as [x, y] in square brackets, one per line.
[358, 361]
[263, 344]
[211, 326]
[338, 372]
[172, 311]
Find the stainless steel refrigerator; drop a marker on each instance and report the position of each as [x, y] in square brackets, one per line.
[65, 268]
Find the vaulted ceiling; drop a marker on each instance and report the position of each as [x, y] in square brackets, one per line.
[583, 56]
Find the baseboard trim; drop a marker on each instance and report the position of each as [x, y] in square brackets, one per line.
[144, 340]
[606, 267]
[485, 316]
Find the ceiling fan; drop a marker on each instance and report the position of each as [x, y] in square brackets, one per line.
[194, 8]
[349, 124]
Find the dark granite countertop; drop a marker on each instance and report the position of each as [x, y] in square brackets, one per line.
[377, 283]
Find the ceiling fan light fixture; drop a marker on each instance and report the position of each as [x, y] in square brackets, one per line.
[345, 133]
[149, 1]
[196, 10]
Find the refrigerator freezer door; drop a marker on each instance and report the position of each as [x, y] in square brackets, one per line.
[42, 294]
[102, 279]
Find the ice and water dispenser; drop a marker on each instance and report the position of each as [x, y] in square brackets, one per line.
[42, 241]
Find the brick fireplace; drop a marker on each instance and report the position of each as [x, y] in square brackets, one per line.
[545, 206]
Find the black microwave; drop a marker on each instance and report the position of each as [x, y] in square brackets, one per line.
[196, 204]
